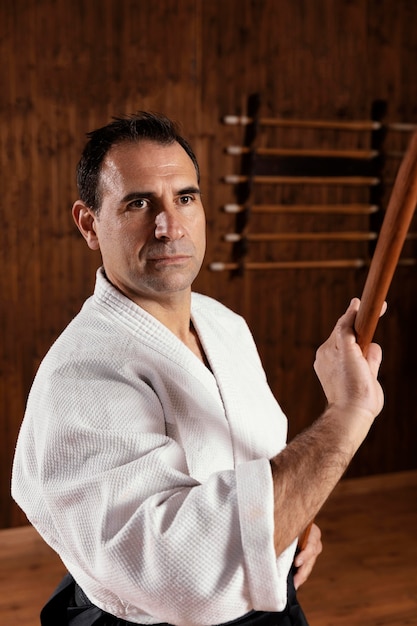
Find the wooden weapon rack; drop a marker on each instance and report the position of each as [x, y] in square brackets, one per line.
[309, 194]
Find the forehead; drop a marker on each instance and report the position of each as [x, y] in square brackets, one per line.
[145, 162]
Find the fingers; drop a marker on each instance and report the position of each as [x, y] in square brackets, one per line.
[313, 546]
[347, 320]
[349, 316]
[306, 559]
[355, 304]
[383, 309]
[374, 358]
[344, 333]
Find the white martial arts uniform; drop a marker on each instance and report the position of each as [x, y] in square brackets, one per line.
[148, 472]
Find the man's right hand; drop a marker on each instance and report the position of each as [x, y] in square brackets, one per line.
[348, 378]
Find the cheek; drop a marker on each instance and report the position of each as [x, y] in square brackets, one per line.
[118, 242]
[199, 225]
[202, 228]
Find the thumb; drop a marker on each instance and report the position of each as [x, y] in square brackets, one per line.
[374, 358]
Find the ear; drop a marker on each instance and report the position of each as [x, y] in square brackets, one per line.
[85, 219]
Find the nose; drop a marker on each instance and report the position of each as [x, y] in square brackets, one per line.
[168, 225]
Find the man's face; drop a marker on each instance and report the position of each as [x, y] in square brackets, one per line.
[151, 224]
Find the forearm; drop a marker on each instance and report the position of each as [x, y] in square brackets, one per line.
[306, 472]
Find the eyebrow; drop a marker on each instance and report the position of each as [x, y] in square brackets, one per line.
[133, 195]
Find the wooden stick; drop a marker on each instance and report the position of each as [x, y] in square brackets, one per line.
[313, 236]
[235, 179]
[304, 152]
[219, 266]
[402, 127]
[243, 120]
[348, 209]
[393, 233]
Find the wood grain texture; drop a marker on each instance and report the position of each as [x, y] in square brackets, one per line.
[69, 66]
[367, 571]
[29, 572]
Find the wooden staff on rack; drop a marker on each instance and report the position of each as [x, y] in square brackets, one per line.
[338, 209]
[393, 232]
[304, 152]
[244, 120]
[220, 266]
[353, 125]
[297, 236]
[235, 179]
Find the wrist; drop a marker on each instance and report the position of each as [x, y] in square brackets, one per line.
[351, 421]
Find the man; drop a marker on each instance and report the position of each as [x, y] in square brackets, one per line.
[153, 456]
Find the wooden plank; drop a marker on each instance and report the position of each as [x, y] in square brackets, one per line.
[367, 572]
[29, 572]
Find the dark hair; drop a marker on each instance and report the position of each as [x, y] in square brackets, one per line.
[133, 128]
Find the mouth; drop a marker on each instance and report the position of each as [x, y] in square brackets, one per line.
[177, 259]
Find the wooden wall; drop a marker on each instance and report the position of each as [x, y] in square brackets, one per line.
[67, 67]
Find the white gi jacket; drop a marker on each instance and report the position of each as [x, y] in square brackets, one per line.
[147, 472]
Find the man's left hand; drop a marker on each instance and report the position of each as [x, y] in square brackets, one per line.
[306, 558]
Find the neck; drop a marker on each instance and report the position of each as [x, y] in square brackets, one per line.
[175, 314]
[172, 311]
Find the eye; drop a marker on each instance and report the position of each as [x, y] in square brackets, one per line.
[138, 203]
[186, 199]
